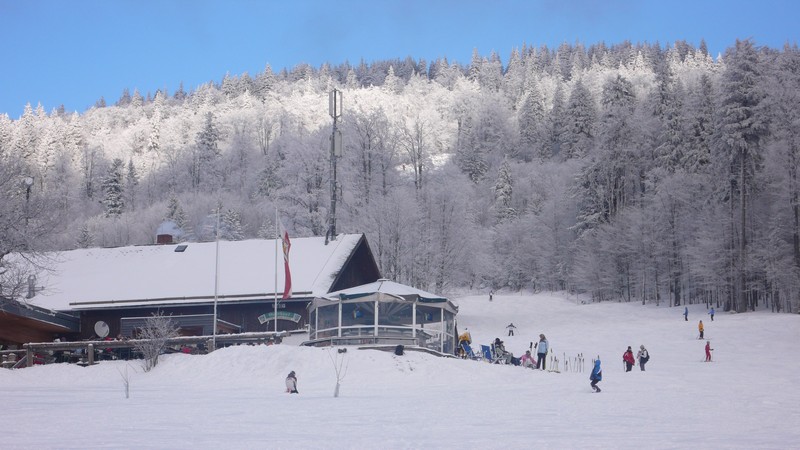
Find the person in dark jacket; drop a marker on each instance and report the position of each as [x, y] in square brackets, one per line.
[643, 356]
[291, 383]
[628, 358]
[596, 376]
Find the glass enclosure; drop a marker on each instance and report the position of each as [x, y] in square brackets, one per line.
[398, 321]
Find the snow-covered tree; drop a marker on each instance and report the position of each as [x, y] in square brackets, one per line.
[742, 129]
[503, 191]
[113, 188]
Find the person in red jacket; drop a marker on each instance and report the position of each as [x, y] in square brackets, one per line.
[708, 351]
[628, 358]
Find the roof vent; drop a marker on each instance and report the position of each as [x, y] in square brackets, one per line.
[181, 248]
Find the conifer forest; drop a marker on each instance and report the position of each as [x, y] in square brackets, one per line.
[625, 172]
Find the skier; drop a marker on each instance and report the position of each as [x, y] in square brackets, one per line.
[491, 294]
[541, 351]
[708, 351]
[511, 329]
[628, 358]
[700, 329]
[686, 313]
[643, 357]
[711, 313]
[291, 383]
[596, 376]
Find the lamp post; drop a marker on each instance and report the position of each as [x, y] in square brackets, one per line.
[28, 182]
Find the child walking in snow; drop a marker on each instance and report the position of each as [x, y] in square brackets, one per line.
[596, 375]
[708, 351]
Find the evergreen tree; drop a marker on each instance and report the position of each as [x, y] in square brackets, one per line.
[698, 153]
[231, 227]
[179, 94]
[114, 201]
[580, 116]
[503, 190]
[175, 213]
[131, 181]
[742, 129]
[85, 238]
[137, 101]
[555, 124]
[533, 141]
[125, 98]
[206, 150]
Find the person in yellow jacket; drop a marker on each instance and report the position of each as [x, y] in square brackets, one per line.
[463, 337]
[700, 329]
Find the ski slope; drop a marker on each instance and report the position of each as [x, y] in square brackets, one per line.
[234, 398]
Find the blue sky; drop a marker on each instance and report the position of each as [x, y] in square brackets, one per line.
[73, 52]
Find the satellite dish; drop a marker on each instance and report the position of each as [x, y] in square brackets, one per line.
[101, 328]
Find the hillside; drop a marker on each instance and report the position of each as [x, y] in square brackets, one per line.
[234, 398]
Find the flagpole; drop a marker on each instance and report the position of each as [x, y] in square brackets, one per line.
[277, 238]
[216, 287]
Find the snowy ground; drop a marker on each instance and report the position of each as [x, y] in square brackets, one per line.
[234, 398]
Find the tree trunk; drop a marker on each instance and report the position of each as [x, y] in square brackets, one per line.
[742, 235]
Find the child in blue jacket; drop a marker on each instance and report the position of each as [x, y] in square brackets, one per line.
[596, 376]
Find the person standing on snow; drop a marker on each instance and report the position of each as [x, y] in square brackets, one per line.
[708, 351]
[511, 329]
[643, 356]
[700, 329]
[291, 383]
[711, 313]
[686, 313]
[541, 351]
[596, 375]
[628, 358]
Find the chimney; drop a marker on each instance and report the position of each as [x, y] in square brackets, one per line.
[31, 286]
[164, 239]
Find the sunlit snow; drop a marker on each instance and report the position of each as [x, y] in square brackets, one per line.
[235, 397]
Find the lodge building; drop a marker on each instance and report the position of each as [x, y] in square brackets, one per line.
[115, 289]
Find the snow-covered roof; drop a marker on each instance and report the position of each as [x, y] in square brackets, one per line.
[385, 290]
[161, 275]
[385, 287]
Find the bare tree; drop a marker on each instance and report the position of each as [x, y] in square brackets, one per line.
[153, 337]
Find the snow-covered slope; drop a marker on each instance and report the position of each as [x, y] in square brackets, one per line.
[234, 398]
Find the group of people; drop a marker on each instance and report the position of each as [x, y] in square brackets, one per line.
[527, 360]
[642, 355]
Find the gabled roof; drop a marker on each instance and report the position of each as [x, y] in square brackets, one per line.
[386, 287]
[385, 290]
[160, 275]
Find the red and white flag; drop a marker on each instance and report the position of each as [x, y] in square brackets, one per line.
[284, 235]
